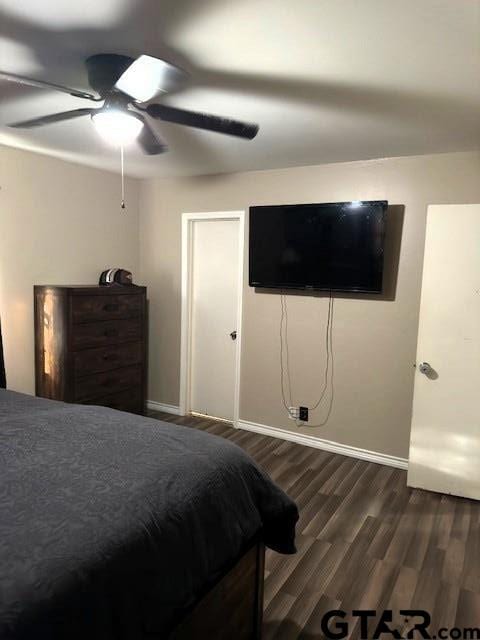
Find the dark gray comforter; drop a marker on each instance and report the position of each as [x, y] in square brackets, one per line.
[111, 525]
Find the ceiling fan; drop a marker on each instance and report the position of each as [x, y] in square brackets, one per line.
[125, 85]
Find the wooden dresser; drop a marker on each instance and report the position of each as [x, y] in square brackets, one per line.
[90, 345]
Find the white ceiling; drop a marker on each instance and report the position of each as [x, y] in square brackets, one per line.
[327, 80]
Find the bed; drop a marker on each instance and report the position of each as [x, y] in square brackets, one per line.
[119, 526]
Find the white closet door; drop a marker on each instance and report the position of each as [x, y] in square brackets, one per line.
[214, 304]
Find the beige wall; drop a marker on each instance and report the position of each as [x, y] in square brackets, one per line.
[374, 339]
[60, 223]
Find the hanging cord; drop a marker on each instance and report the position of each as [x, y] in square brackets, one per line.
[332, 369]
[284, 362]
[329, 364]
[327, 351]
[122, 203]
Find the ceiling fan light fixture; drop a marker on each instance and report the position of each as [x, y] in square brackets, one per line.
[123, 85]
[116, 126]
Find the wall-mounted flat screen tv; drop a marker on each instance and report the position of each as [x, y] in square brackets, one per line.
[332, 247]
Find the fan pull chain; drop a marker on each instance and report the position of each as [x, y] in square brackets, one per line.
[122, 204]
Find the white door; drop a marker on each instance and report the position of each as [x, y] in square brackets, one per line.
[445, 438]
[214, 312]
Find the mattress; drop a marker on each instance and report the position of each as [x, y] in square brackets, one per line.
[112, 525]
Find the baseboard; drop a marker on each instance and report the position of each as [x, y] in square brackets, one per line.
[161, 406]
[302, 438]
[325, 445]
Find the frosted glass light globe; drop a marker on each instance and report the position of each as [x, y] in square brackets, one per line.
[117, 127]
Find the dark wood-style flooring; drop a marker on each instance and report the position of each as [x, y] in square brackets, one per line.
[365, 541]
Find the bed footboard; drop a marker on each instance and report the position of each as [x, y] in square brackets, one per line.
[233, 608]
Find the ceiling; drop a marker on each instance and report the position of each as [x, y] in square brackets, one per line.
[326, 80]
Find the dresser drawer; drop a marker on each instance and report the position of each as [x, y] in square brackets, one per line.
[106, 358]
[98, 384]
[99, 334]
[110, 307]
[131, 401]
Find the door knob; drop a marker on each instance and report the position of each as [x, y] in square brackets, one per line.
[425, 368]
[233, 335]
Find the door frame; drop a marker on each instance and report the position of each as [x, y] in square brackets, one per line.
[188, 220]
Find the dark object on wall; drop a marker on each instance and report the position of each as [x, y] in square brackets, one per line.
[90, 345]
[115, 276]
[330, 247]
[3, 379]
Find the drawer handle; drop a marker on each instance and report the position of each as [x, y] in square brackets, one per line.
[111, 307]
[112, 356]
[111, 333]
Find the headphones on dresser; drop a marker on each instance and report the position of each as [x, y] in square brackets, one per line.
[115, 276]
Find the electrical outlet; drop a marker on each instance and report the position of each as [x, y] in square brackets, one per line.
[293, 413]
[303, 414]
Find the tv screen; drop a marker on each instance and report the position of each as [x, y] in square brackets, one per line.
[333, 247]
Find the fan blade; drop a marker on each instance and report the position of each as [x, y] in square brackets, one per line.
[40, 84]
[149, 142]
[146, 77]
[202, 121]
[54, 117]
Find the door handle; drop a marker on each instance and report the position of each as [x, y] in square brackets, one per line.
[425, 368]
[233, 335]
